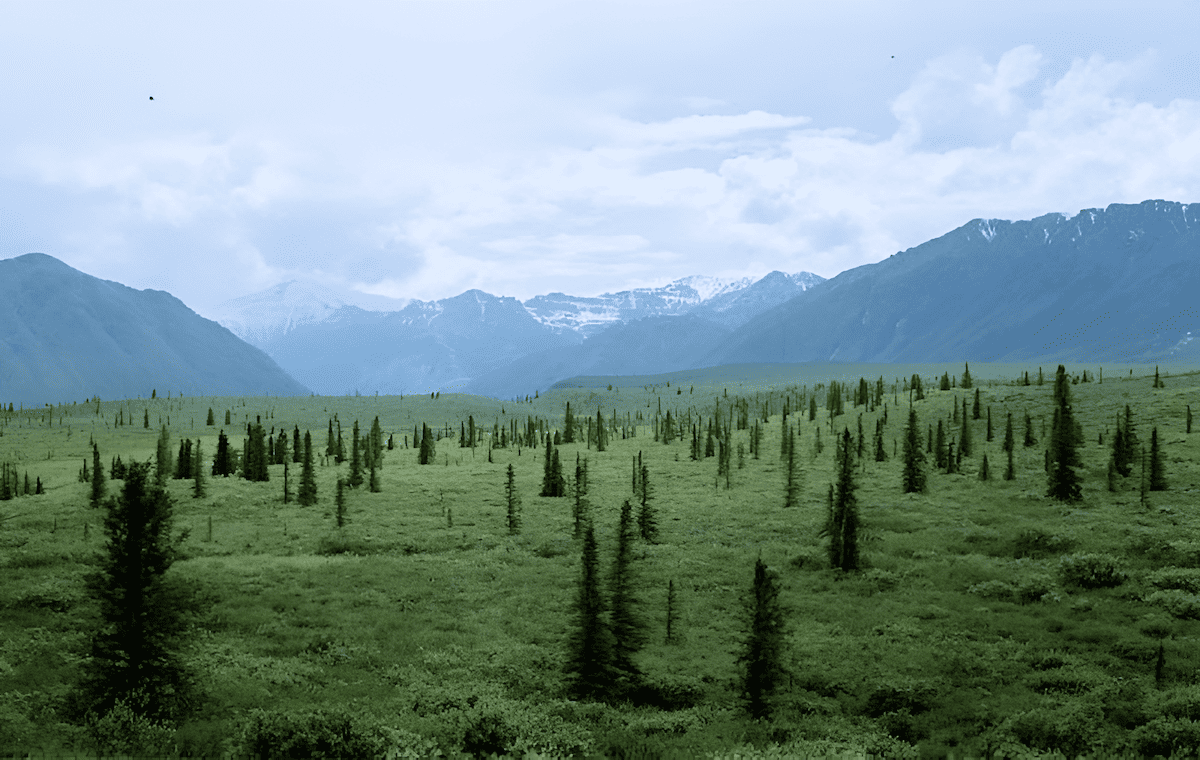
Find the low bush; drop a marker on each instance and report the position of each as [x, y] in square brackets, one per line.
[122, 731]
[320, 733]
[1184, 579]
[1035, 543]
[341, 543]
[1181, 604]
[1168, 737]
[901, 695]
[1091, 571]
[999, 590]
[1037, 587]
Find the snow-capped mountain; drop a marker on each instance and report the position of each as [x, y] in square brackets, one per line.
[262, 317]
[335, 346]
[591, 315]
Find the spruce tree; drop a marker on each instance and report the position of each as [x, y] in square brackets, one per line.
[287, 486]
[966, 383]
[547, 469]
[569, 433]
[97, 477]
[339, 502]
[672, 612]
[976, 410]
[647, 521]
[590, 644]
[1010, 472]
[989, 425]
[330, 446]
[210, 422]
[880, 454]
[198, 489]
[163, 459]
[375, 437]
[512, 499]
[307, 494]
[791, 494]
[135, 649]
[556, 475]
[1063, 482]
[964, 444]
[1189, 419]
[297, 446]
[1112, 475]
[579, 509]
[843, 544]
[227, 422]
[983, 469]
[1029, 439]
[939, 448]
[762, 655]
[945, 384]
[914, 457]
[427, 452]
[629, 630]
[1158, 481]
[356, 463]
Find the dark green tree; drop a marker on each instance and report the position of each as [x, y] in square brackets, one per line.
[1029, 439]
[375, 438]
[791, 491]
[1008, 434]
[356, 460]
[579, 510]
[601, 436]
[590, 644]
[989, 425]
[427, 452]
[966, 383]
[1158, 481]
[513, 500]
[843, 532]
[210, 422]
[983, 469]
[1063, 482]
[647, 520]
[569, 433]
[976, 409]
[198, 487]
[964, 443]
[222, 462]
[307, 494]
[297, 446]
[629, 630]
[945, 384]
[227, 422]
[287, 486]
[1189, 419]
[163, 461]
[340, 503]
[762, 655]
[939, 447]
[97, 478]
[135, 648]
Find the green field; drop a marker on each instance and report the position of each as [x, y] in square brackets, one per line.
[422, 618]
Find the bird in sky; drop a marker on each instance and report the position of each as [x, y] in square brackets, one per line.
[152, 97]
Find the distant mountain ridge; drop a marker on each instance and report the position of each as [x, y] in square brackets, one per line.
[69, 336]
[337, 348]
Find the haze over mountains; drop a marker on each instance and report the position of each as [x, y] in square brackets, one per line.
[1120, 284]
[335, 348]
[68, 336]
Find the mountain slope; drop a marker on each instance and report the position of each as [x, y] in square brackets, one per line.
[1115, 284]
[644, 347]
[69, 336]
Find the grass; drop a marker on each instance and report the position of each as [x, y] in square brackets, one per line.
[960, 635]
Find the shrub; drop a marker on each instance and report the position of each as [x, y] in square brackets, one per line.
[909, 695]
[340, 543]
[1035, 543]
[999, 590]
[880, 580]
[672, 692]
[550, 550]
[1038, 587]
[271, 735]
[1069, 729]
[1091, 571]
[1179, 603]
[123, 732]
[1181, 702]
[811, 559]
[1169, 737]
[1184, 579]
[1185, 553]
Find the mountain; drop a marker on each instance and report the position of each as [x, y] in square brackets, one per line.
[337, 348]
[423, 347]
[262, 317]
[589, 316]
[648, 346]
[1118, 284]
[69, 336]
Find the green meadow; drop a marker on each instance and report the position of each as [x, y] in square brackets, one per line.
[986, 620]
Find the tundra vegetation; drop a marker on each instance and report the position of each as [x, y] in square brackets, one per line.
[446, 584]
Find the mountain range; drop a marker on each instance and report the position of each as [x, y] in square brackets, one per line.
[1117, 284]
[447, 344]
[68, 336]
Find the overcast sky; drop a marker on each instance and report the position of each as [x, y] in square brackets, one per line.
[420, 149]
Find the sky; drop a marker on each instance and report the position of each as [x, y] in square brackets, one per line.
[419, 149]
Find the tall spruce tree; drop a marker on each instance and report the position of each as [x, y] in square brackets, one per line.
[843, 538]
[791, 492]
[163, 461]
[427, 452]
[761, 657]
[579, 509]
[512, 500]
[590, 645]
[97, 478]
[964, 443]
[198, 486]
[569, 433]
[647, 520]
[136, 648]
[1029, 439]
[629, 630]
[1158, 480]
[1063, 482]
[356, 460]
[307, 494]
[939, 447]
[210, 422]
[976, 409]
